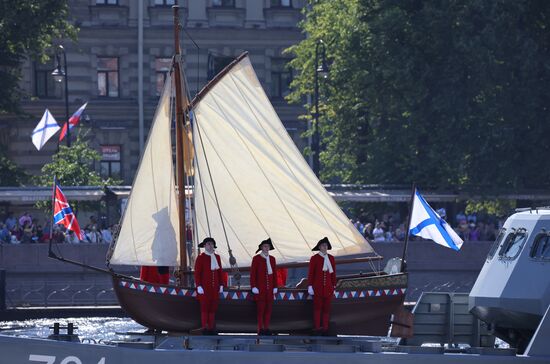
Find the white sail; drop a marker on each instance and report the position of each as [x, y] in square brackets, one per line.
[149, 228]
[263, 185]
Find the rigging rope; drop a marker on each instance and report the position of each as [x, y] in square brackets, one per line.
[232, 259]
[286, 163]
[265, 176]
[241, 193]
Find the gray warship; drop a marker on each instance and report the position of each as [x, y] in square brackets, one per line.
[511, 299]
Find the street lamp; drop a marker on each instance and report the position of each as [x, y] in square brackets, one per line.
[59, 74]
[320, 70]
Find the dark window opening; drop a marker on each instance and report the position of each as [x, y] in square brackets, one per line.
[281, 3]
[106, 2]
[162, 67]
[513, 244]
[496, 244]
[224, 3]
[110, 165]
[281, 77]
[541, 247]
[44, 83]
[107, 77]
[164, 2]
[216, 64]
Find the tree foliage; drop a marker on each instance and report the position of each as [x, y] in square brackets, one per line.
[448, 94]
[11, 175]
[27, 29]
[74, 166]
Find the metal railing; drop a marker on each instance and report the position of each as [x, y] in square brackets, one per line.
[48, 294]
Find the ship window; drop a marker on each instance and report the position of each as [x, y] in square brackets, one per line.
[496, 244]
[541, 247]
[513, 244]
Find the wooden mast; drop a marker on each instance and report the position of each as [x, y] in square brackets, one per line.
[180, 120]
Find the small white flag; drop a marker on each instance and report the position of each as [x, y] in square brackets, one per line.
[425, 222]
[45, 129]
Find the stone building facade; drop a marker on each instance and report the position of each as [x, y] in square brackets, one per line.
[116, 37]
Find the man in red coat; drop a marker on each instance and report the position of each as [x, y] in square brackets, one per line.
[322, 281]
[263, 280]
[209, 282]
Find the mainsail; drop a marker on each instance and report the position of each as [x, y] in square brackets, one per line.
[249, 167]
[149, 228]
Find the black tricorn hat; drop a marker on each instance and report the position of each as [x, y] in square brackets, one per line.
[323, 240]
[206, 240]
[266, 241]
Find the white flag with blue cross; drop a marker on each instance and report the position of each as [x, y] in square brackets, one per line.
[45, 129]
[426, 223]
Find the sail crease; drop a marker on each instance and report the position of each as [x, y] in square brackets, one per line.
[262, 181]
[285, 161]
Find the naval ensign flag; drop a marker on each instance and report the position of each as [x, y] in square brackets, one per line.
[45, 129]
[425, 222]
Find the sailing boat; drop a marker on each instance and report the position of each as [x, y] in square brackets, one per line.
[250, 182]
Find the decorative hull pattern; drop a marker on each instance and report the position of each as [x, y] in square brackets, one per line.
[355, 310]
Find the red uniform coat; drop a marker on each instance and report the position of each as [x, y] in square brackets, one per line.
[153, 274]
[209, 280]
[260, 279]
[282, 275]
[323, 282]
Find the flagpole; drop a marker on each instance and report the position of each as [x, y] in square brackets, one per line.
[50, 251]
[408, 227]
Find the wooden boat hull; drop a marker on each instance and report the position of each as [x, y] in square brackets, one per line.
[360, 307]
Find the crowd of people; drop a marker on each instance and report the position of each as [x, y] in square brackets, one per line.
[28, 230]
[391, 228]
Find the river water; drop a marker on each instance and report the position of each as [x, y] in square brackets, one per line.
[96, 328]
[99, 328]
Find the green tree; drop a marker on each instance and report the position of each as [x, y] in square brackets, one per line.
[73, 166]
[10, 174]
[448, 94]
[27, 29]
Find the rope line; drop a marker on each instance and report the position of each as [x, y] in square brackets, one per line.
[241, 192]
[232, 260]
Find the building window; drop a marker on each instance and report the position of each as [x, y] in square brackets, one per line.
[106, 2]
[44, 84]
[110, 161]
[216, 64]
[107, 77]
[164, 2]
[162, 67]
[281, 3]
[280, 78]
[224, 3]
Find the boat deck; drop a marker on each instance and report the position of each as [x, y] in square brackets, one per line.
[171, 349]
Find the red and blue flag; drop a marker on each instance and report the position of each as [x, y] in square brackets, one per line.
[63, 213]
[73, 121]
